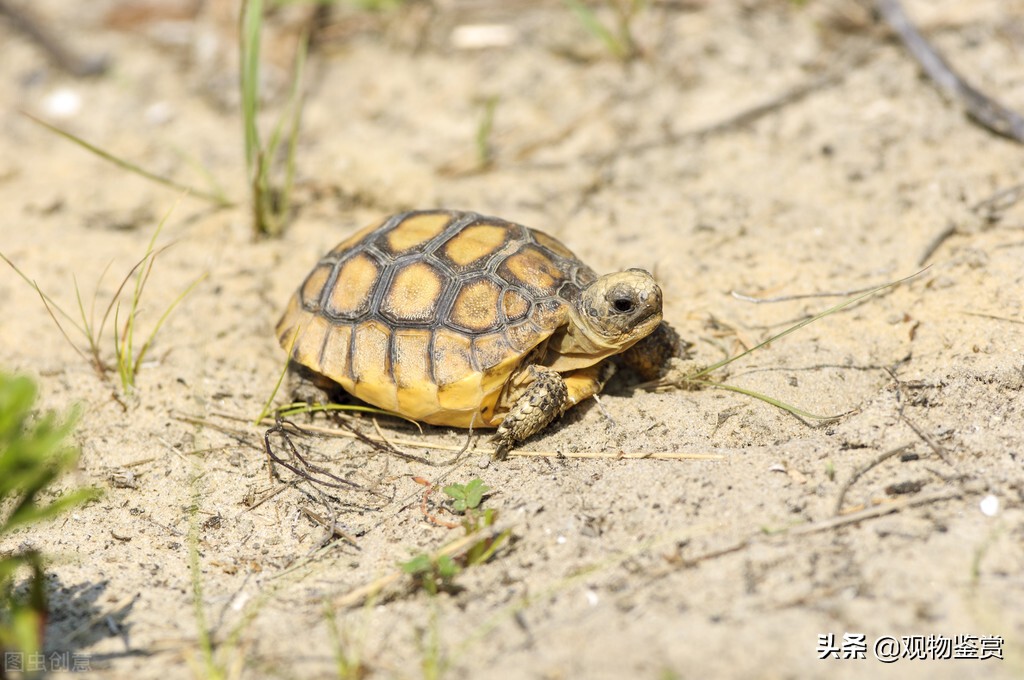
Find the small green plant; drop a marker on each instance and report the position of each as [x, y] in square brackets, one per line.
[484, 146]
[433, 573]
[617, 39]
[347, 652]
[466, 496]
[437, 572]
[271, 196]
[466, 500]
[127, 357]
[33, 455]
[830, 470]
[129, 360]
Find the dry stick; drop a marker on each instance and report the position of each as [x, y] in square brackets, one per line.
[76, 65]
[1004, 199]
[517, 452]
[947, 233]
[237, 435]
[813, 528]
[980, 108]
[859, 472]
[753, 113]
[307, 471]
[873, 512]
[983, 315]
[939, 450]
[333, 530]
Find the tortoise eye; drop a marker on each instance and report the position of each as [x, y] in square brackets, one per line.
[624, 305]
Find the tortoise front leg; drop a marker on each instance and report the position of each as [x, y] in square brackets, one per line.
[652, 356]
[546, 398]
[664, 357]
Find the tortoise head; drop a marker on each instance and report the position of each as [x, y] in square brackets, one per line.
[617, 310]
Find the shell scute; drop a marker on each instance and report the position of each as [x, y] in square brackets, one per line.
[476, 308]
[414, 293]
[348, 297]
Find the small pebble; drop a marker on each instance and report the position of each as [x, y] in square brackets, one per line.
[62, 103]
[989, 506]
[483, 36]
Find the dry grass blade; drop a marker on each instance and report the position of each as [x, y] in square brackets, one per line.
[220, 201]
[93, 357]
[302, 467]
[454, 448]
[460, 545]
[760, 396]
[297, 408]
[794, 328]
[514, 453]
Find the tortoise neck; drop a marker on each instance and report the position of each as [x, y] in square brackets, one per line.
[571, 347]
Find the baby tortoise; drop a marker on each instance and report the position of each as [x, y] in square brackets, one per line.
[457, 319]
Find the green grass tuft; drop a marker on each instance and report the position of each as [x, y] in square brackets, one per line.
[271, 196]
[33, 455]
[127, 359]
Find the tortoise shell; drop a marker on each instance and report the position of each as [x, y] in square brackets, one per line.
[430, 313]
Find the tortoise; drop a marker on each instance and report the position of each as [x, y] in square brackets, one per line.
[458, 319]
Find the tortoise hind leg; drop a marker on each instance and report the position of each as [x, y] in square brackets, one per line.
[309, 387]
[545, 399]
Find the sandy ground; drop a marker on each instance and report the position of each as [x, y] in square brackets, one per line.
[727, 567]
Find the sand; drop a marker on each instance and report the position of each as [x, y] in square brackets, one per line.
[856, 173]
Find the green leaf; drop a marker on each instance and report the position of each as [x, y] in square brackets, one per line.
[455, 491]
[475, 491]
[447, 569]
[417, 565]
[33, 454]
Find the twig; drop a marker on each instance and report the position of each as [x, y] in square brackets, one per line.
[938, 448]
[66, 60]
[332, 527]
[873, 512]
[829, 524]
[859, 472]
[983, 315]
[936, 243]
[980, 107]
[303, 468]
[754, 113]
[1004, 199]
[429, 489]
